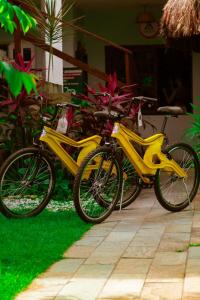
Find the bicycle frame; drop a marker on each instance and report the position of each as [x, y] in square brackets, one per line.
[153, 159]
[55, 139]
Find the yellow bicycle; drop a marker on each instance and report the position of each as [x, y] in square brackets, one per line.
[174, 172]
[27, 177]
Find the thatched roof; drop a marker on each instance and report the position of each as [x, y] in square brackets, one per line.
[181, 18]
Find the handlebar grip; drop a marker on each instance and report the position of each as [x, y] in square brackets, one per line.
[150, 99]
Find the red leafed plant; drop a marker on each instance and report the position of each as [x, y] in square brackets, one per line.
[18, 109]
[120, 101]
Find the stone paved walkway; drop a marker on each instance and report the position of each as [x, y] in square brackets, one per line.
[139, 253]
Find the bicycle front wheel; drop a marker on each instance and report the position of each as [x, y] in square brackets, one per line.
[26, 183]
[131, 185]
[97, 185]
[175, 193]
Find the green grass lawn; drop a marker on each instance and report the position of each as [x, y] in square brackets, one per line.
[29, 246]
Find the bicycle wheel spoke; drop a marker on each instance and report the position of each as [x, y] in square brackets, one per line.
[97, 194]
[25, 184]
[173, 192]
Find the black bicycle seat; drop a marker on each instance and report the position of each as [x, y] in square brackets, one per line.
[104, 114]
[172, 110]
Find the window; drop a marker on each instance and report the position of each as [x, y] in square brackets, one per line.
[163, 73]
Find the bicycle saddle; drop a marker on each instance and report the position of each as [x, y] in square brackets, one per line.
[172, 110]
[104, 114]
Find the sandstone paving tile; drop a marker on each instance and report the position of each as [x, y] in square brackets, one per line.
[120, 236]
[64, 267]
[153, 225]
[140, 252]
[162, 291]
[191, 296]
[194, 252]
[139, 240]
[111, 246]
[45, 290]
[108, 254]
[98, 232]
[126, 280]
[127, 297]
[195, 235]
[163, 273]
[107, 224]
[196, 223]
[128, 226]
[39, 291]
[132, 266]
[150, 231]
[195, 230]
[193, 267]
[195, 240]
[184, 221]
[191, 284]
[93, 271]
[157, 213]
[119, 288]
[34, 296]
[176, 236]
[89, 241]
[170, 258]
[166, 246]
[167, 267]
[178, 228]
[103, 258]
[87, 282]
[79, 251]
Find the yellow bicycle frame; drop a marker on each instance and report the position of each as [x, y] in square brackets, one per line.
[153, 159]
[55, 139]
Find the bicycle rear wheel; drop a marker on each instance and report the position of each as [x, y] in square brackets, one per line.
[97, 185]
[26, 183]
[175, 193]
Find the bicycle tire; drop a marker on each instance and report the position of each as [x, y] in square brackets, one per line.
[15, 205]
[193, 168]
[103, 206]
[131, 187]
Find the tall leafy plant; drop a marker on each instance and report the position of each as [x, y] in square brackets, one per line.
[50, 23]
[16, 79]
[193, 132]
[9, 11]
[20, 81]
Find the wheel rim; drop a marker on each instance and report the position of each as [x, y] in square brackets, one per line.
[98, 191]
[25, 183]
[177, 191]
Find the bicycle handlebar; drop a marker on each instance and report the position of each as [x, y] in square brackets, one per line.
[145, 99]
[59, 106]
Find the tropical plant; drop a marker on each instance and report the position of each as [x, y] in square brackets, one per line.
[20, 82]
[50, 23]
[17, 108]
[16, 78]
[8, 12]
[193, 132]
